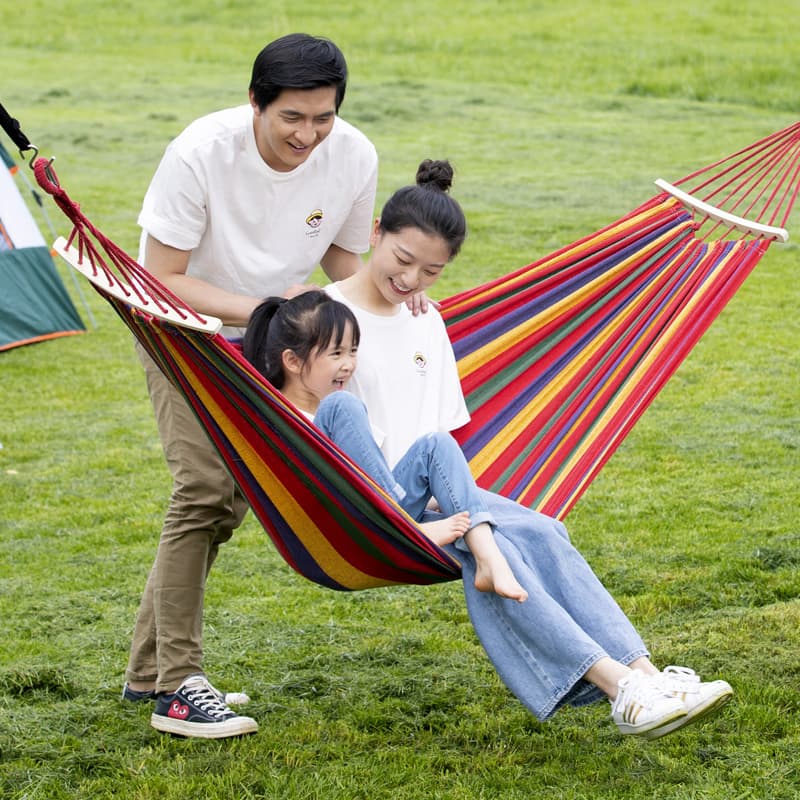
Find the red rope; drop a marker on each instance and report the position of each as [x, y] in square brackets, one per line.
[130, 276]
[758, 182]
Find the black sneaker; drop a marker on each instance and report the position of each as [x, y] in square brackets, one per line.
[137, 697]
[196, 709]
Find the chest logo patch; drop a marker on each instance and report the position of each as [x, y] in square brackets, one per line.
[314, 219]
[421, 363]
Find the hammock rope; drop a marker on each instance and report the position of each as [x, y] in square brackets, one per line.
[558, 360]
[761, 179]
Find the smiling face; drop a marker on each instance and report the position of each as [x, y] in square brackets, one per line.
[405, 263]
[288, 129]
[322, 373]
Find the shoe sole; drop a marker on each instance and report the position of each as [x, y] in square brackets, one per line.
[653, 730]
[236, 726]
[712, 705]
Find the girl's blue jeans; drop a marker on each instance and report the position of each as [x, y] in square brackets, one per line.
[434, 465]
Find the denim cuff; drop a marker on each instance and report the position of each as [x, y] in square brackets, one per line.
[482, 516]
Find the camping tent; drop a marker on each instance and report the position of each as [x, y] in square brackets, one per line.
[34, 304]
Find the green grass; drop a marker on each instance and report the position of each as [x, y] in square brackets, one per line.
[558, 117]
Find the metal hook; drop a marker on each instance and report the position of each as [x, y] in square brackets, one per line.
[33, 157]
[50, 174]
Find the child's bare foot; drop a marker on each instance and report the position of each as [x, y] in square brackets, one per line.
[444, 531]
[494, 575]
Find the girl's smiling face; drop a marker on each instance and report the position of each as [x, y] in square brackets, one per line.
[405, 263]
[322, 373]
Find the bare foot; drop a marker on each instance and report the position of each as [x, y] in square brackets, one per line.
[444, 531]
[494, 575]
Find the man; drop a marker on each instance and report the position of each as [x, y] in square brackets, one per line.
[244, 204]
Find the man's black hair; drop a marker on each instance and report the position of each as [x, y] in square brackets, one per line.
[298, 61]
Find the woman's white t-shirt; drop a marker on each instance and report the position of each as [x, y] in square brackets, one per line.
[252, 230]
[406, 376]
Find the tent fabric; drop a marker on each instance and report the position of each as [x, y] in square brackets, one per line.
[34, 305]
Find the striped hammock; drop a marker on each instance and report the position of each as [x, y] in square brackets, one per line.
[558, 360]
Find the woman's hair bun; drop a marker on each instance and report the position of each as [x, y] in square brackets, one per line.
[435, 175]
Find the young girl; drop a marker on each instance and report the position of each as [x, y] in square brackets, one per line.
[569, 643]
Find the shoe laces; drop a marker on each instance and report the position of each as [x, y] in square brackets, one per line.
[207, 698]
[639, 688]
[680, 679]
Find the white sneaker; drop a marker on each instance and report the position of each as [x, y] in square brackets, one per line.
[642, 708]
[698, 697]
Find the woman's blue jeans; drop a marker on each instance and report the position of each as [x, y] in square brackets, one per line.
[540, 648]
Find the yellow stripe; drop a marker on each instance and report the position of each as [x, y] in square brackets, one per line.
[569, 256]
[483, 459]
[478, 358]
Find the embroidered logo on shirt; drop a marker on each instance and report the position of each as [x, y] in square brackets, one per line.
[313, 222]
[314, 219]
[421, 363]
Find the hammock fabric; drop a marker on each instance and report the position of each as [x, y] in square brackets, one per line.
[558, 360]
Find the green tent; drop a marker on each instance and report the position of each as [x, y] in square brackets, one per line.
[34, 305]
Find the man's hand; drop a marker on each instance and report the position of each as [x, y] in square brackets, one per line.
[299, 288]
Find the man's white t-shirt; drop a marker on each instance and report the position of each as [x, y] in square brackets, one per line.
[253, 230]
[406, 376]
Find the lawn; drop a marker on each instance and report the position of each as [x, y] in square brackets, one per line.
[558, 117]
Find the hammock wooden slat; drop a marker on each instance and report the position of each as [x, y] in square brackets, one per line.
[558, 361]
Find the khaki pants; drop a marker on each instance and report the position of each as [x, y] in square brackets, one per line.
[204, 510]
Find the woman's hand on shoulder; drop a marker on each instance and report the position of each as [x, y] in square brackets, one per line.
[418, 303]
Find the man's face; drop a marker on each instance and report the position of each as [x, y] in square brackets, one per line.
[293, 124]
